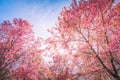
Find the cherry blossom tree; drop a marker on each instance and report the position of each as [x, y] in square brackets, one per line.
[19, 56]
[89, 31]
[85, 45]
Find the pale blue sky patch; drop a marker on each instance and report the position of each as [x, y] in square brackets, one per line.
[42, 14]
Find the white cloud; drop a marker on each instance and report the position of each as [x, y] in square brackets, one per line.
[44, 18]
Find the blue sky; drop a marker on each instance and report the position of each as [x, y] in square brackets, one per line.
[42, 14]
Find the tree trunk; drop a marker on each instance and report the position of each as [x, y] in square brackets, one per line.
[117, 77]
